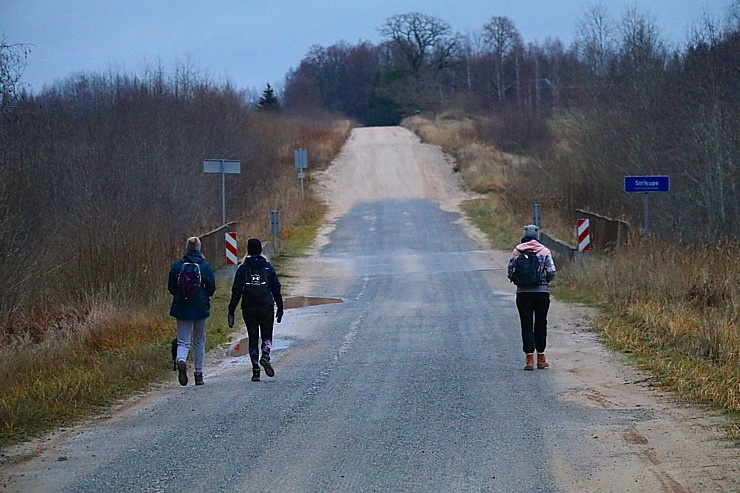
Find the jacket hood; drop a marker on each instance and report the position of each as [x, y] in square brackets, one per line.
[194, 256]
[534, 246]
[255, 260]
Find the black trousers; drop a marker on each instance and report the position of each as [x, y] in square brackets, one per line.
[533, 309]
[259, 322]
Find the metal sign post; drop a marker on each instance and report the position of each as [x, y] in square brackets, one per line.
[222, 166]
[275, 228]
[647, 184]
[301, 162]
[537, 215]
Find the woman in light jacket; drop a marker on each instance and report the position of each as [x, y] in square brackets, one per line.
[533, 302]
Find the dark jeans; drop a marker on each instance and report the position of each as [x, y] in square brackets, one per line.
[259, 320]
[533, 309]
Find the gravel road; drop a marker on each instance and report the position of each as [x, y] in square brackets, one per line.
[413, 383]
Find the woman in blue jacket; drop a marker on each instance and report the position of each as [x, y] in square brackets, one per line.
[191, 283]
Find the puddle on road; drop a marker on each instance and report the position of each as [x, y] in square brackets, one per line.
[303, 301]
[241, 347]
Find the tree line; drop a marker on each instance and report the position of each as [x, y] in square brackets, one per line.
[103, 180]
[619, 99]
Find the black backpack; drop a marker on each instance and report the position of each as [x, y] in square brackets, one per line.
[256, 286]
[189, 280]
[527, 270]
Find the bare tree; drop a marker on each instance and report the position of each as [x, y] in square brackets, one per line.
[12, 63]
[16, 246]
[472, 47]
[595, 41]
[642, 53]
[734, 17]
[503, 39]
[709, 143]
[426, 46]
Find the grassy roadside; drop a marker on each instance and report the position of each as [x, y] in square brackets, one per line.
[79, 372]
[96, 356]
[674, 311]
[100, 358]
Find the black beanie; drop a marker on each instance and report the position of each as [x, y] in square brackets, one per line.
[254, 247]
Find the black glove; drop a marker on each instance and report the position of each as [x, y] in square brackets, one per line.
[279, 315]
[230, 319]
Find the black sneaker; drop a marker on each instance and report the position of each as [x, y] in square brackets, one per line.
[269, 370]
[255, 374]
[182, 374]
[198, 378]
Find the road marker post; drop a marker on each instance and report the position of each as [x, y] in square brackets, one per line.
[231, 251]
[584, 235]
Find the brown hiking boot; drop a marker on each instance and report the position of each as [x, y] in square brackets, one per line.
[529, 365]
[542, 362]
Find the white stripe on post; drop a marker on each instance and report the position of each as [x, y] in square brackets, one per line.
[231, 255]
[584, 235]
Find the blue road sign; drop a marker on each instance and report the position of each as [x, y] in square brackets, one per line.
[301, 158]
[651, 183]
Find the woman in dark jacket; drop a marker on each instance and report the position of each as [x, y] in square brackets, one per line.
[191, 311]
[257, 287]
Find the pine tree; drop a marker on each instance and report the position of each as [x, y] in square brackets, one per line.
[268, 101]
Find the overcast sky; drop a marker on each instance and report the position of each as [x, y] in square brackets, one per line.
[252, 43]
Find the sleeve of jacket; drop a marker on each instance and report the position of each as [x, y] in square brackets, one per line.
[276, 289]
[237, 288]
[549, 269]
[209, 281]
[510, 268]
[172, 279]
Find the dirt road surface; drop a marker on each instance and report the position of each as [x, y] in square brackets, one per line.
[412, 383]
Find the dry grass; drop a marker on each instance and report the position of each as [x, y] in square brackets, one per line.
[676, 312]
[483, 167]
[89, 363]
[80, 360]
[675, 308]
[80, 369]
[489, 211]
[448, 133]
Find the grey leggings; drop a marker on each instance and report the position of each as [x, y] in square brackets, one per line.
[196, 328]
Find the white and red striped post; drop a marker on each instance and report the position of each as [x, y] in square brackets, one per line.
[584, 235]
[231, 255]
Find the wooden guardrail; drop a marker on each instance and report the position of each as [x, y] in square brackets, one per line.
[607, 234]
